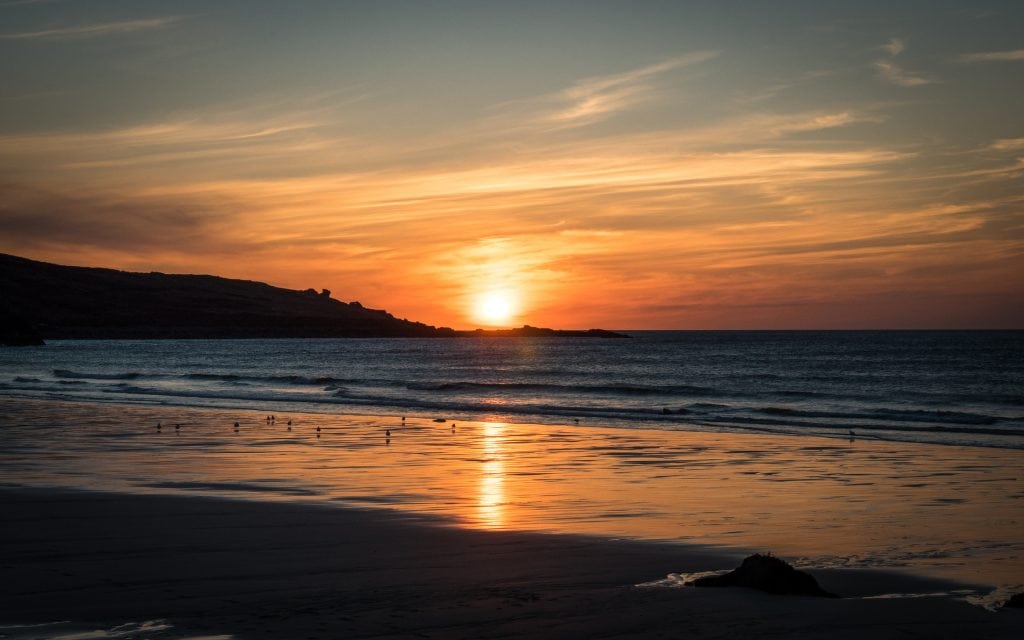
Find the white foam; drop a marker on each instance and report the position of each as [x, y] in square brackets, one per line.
[67, 630]
[675, 580]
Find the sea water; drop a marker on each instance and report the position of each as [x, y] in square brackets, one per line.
[962, 388]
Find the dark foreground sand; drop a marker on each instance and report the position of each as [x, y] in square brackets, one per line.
[272, 570]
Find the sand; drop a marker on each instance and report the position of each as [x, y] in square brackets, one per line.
[208, 567]
[111, 529]
[944, 511]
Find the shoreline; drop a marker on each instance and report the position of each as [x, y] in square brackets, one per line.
[655, 421]
[937, 510]
[245, 569]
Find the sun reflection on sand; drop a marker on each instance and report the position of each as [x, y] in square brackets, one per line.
[491, 504]
[869, 503]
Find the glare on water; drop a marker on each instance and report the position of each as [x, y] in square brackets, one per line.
[834, 502]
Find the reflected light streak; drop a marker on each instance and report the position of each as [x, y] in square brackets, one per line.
[491, 503]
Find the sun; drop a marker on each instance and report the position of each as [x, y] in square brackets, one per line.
[495, 307]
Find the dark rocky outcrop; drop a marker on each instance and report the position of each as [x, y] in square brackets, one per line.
[61, 302]
[1016, 601]
[766, 573]
[526, 331]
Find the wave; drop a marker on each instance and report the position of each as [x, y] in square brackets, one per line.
[986, 398]
[444, 386]
[212, 377]
[738, 420]
[907, 415]
[64, 373]
[711, 414]
[291, 379]
[615, 389]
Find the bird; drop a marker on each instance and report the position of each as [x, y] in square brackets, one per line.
[159, 427]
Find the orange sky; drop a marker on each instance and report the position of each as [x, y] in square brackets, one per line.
[663, 167]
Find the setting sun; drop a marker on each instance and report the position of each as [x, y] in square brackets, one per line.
[495, 307]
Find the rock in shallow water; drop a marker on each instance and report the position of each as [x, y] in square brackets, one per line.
[1016, 601]
[766, 573]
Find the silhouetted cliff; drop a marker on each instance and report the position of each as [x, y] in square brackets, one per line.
[55, 302]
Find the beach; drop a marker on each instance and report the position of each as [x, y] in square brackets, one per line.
[488, 530]
[203, 567]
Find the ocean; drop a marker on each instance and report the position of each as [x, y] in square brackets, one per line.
[963, 388]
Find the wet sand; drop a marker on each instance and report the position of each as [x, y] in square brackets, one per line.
[944, 511]
[274, 530]
[200, 567]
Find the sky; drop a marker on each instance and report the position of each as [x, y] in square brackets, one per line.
[624, 165]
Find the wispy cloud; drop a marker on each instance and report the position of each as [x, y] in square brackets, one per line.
[595, 98]
[894, 74]
[95, 30]
[819, 122]
[994, 56]
[1008, 144]
[756, 129]
[894, 47]
[201, 140]
[748, 96]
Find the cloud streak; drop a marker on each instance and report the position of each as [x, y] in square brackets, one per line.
[187, 144]
[595, 98]
[1016, 55]
[894, 47]
[1008, 144]
[99, 30]
[590, 100]
[893, 74]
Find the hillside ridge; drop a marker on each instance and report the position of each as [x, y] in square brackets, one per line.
[49, 301]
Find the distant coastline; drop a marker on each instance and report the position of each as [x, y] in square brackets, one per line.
[48, 301]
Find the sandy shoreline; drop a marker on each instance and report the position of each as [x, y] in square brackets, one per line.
[490, 530]
[944, 511]
[248, 569]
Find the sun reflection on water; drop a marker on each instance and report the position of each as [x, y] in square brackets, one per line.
[491, 503]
